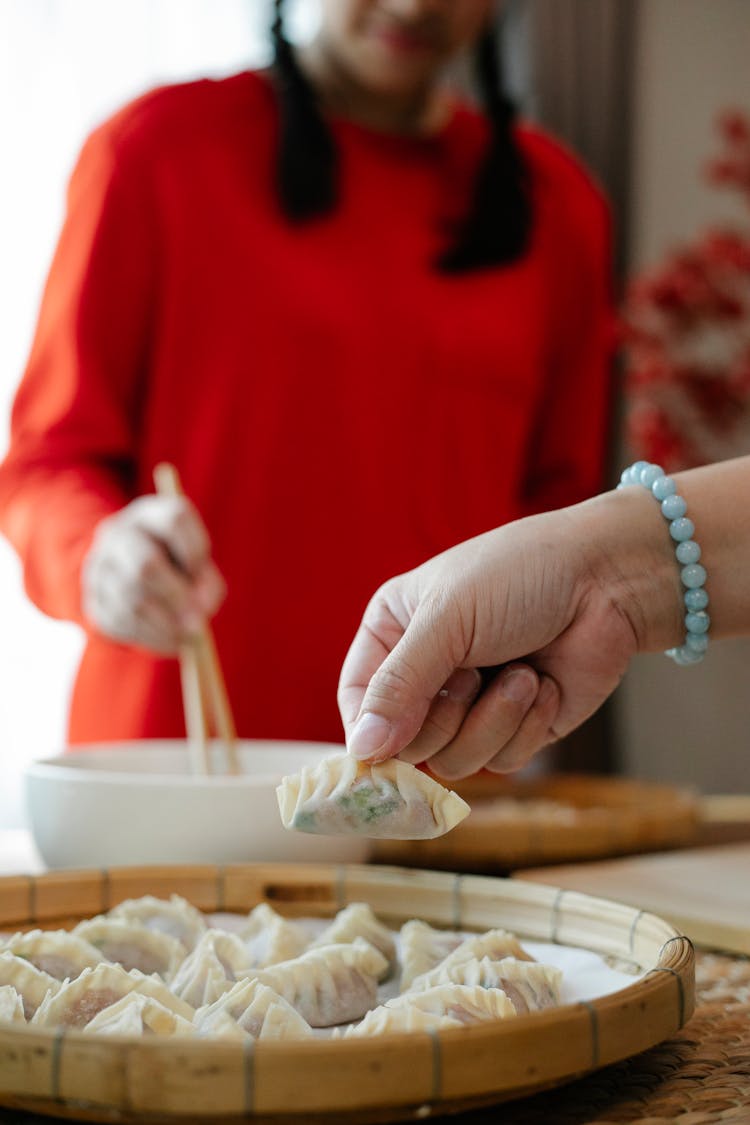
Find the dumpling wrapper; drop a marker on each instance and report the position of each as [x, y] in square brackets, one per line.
[393, 800]
[32, 984]
[11, 1005]
[358, 920]
[495, 944]
[132, 945]
[529, 986]
[76, 1002]
[217, 961]
[138, 1014]
[58, 953]
[423, 947]
[270, 938]
[174, 917]
[257, 1010]
[330, 984]
[449, 1005]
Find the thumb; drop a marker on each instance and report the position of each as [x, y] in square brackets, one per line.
[395, 702]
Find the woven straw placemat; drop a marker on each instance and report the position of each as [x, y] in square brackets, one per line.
[699, 1077]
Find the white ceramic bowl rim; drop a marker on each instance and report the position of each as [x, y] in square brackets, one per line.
[71, 765]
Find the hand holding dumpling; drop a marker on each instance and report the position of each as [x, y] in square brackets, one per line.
[540, 597]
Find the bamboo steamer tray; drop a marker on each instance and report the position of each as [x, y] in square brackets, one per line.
[386, 1078]
[608, 816]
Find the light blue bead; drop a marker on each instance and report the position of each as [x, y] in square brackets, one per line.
[696, 599]
[649, 475]
[673, 507]
[663, 487]
[697, 622]
[693, 576]
[682, 529]
[688, 552]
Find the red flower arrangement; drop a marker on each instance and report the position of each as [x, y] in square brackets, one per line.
[686, 330]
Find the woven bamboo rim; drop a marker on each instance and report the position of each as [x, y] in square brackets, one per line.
[614, 816]
[393, 1077]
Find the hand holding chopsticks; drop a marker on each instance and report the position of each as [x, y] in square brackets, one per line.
[204, 692]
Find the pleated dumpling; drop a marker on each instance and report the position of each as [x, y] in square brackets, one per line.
[31, 984]
[257, 1010]
[383, 1020]
[77, 1001]
[495, 944]
[217, 961]
[393, 800]
[329, 985]
[57, 952]
[358, 920]
[131, 945]
[270, 938]
[11, 1005]
[174, 916]
[451, 1005]
[528, 985]
[423, 947]
[136, 1014]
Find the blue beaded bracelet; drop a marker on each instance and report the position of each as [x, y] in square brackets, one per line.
[688, 553]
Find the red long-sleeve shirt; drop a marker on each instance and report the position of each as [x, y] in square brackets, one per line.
[338, 410]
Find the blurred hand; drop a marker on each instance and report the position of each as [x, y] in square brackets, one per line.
[148, 578]
[540, 597]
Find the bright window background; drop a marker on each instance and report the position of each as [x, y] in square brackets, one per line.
[64, 66]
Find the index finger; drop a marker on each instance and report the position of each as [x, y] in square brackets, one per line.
[390, 678]
[366, 653]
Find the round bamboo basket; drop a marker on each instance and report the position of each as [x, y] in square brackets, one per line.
[386, 1078]
[608, 816]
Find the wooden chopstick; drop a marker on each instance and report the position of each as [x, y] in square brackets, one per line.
[204, 689]
[195, 715]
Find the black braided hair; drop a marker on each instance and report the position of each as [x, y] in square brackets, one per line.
[495, 231]
[306, 162]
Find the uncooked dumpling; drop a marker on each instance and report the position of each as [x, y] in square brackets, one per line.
[131, 945]
[174, 916]
[358, 920]
[329, 985]
[257, 1010]
[449, 1005]
[136, 1014]
[61, 954]
[528, 985]
[393, 800]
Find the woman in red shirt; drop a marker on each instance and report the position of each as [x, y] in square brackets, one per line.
[363, 320]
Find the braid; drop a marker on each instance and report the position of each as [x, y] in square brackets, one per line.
[496, 230]
[306, 158]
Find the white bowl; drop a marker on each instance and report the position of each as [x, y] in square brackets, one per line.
[125, 803]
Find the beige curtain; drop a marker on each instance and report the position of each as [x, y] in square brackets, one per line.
[571, 64]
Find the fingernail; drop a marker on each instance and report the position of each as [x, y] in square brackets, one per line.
[518, 684]
[462, 685]
[369, 735]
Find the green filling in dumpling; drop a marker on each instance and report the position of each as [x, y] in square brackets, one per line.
[366, 802]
